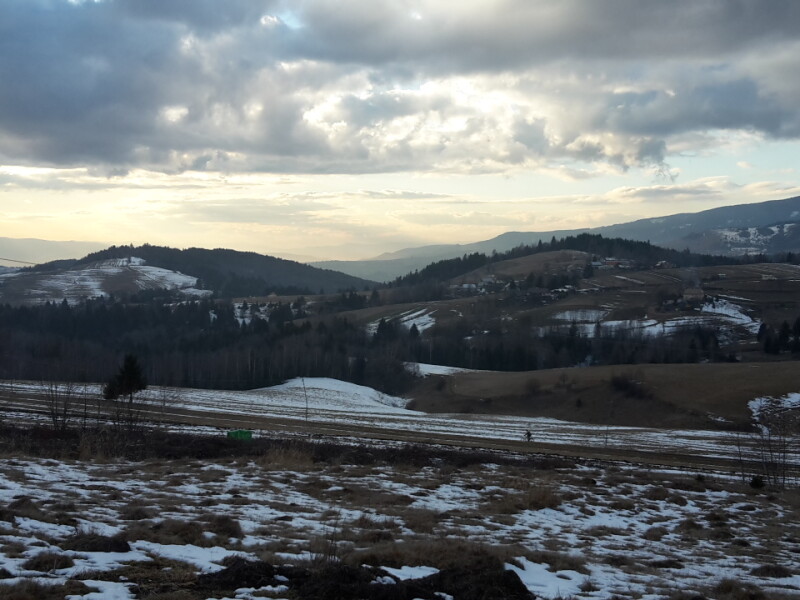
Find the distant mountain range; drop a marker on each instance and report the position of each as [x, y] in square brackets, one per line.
[128, 270]
[764, 227]
[31, 250]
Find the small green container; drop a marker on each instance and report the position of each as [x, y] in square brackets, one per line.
[240, 434]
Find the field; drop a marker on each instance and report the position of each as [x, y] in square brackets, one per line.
[344, 493]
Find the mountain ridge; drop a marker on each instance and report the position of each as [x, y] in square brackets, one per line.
[678, 231]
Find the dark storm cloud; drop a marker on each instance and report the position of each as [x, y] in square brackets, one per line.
[370, 87]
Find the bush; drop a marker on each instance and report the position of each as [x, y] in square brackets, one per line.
[632, 388]
[225, 526]
[48, 561]
[30, 590]
[93, 542]
[774, 571]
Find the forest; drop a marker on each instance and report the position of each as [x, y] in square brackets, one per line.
[203, 344]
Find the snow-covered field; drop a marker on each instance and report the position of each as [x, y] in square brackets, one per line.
[590, 531]
[331, 402]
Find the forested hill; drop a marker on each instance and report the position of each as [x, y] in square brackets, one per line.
[643, 253]
[232, 273]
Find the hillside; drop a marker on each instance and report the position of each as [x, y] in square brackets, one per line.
[127, 270]
[765, 227]
[521, 267]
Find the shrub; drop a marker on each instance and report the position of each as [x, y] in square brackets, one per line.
[775, 571]
[731, 589]
[654, 534]
[31, 590]
[225, 526]
[48, 561]
[93, 542]
[134, 512]
[632, 388]
[532, 498]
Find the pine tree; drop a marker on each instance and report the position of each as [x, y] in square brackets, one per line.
[128, 381]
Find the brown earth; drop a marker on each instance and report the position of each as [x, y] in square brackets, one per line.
[685, 396]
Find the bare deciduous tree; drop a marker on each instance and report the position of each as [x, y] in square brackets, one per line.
[59, 399]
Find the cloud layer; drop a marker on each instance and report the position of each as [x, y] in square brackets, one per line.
[376, 87]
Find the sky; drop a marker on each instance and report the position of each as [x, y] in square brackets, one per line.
[341, 130]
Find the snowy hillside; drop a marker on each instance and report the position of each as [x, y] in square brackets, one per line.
[741, 241]
[113, 276]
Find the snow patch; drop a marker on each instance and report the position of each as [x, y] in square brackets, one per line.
[545, 583]
[425, 370]
[581, 316]
[404, 573]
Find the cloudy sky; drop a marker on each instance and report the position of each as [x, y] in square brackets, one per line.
[344, 129]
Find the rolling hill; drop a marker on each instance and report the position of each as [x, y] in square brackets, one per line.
[126, 270]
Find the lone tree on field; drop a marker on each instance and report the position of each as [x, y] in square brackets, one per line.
[128, 381]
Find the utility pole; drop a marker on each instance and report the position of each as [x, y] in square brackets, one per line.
[305, 394]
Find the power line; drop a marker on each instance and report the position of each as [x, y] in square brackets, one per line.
[22, 262]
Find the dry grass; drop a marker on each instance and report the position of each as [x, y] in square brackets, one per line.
[48, 561]
[533, 498]
[169, 531]
[772, 571]
[291, 457]
[654, 534]
[224, 526]
[684, 394]
[31, 590]
[84, 541]
[157, 578]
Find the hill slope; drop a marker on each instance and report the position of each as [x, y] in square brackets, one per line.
[124, 270]
[763, 227]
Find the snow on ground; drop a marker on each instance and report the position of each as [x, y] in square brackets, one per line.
[89, 281]
[425, 370]
[722, 314]
[333, 394]
[758, 406]
[581, 316]
[591, 531]
[731, 312]
[422, 318]
[630, 279]
[330, 401]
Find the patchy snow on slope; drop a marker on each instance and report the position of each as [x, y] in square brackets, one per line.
[767, 404]
[581, 316]
[422, 318]
[731, 312]
[91, 281]
[630, 279]
[425, 370]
